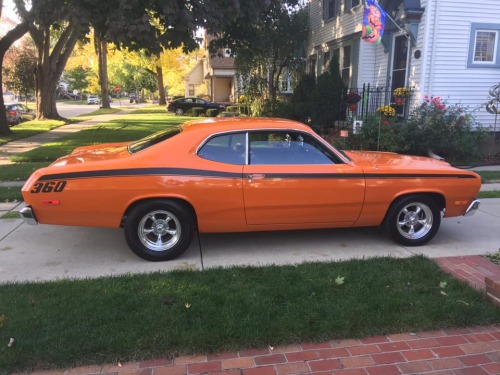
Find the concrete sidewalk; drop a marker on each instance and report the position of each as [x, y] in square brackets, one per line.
[27, 144]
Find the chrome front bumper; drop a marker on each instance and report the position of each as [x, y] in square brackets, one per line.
[473, 207]
[28, 215]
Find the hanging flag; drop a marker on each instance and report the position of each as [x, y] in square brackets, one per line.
[373, 22]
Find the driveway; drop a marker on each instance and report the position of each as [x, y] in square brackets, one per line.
[45, 252]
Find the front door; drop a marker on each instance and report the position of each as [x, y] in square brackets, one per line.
[399, 62]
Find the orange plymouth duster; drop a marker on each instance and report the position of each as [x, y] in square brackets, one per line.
[244, 174]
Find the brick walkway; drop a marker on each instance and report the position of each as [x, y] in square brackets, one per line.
[468, 351]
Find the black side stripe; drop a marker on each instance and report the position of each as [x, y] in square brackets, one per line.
[133, 172]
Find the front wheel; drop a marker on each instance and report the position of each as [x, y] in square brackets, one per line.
[159, 230]
[413, 220]
[179, 112]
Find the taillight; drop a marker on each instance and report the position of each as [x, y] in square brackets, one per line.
[11, 113]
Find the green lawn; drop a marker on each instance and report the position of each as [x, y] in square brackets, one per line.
[69, 323]
[29, 128]
[127, 128]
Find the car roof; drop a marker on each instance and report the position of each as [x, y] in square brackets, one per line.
[222, 124]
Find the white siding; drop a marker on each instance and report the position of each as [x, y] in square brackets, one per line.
[446, 71]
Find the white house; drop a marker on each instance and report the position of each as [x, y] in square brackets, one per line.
[446, 48]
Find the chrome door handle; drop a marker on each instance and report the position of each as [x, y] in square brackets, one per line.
[256, 176]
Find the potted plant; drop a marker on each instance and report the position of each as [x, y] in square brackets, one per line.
[386, 111]
[400, 94]
[352, 100]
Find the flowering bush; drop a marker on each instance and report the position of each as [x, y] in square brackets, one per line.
[373, 135]
[446, 130]
[386, 110]
[401, 92]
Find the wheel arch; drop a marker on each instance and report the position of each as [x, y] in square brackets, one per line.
[178, 200]
[437, 197]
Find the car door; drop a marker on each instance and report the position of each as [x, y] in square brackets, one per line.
[187, 104]
[219, 199]
[293, 178]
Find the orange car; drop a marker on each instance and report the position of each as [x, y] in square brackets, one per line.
[244, 174]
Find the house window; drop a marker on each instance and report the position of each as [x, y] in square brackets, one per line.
[484, 46]
[285, 83]
[191, 90]
[349, 4]
[346, 65]
[484, 50]
[326, 60]
[331, 8]
[312, 66]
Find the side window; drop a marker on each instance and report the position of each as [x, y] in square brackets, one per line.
[285, 147]
[484, 46]
[227, 148]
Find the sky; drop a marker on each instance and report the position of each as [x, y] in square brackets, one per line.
[8, 10]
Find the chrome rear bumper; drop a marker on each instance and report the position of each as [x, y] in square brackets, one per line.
[473, 207]
[28, 215]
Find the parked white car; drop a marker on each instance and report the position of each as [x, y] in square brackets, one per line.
[93, 99]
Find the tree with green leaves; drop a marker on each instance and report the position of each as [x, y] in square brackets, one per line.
[268, 48]
[19, 65]
[56, 26]
[5, 43]
[77, 78]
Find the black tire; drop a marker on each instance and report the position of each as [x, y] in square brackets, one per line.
[413, 220]
[159, 230]
[179, 111]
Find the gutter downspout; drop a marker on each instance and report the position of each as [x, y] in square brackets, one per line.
[433, 54]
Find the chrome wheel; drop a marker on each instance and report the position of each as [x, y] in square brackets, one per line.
[179, 112]
[415, 220]
[159, 230]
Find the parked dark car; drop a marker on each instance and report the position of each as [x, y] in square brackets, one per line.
[18, 112]
[182, 105]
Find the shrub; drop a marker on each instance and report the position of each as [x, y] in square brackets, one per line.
[328, 97]
[245, 109]
[446, 130]
[302, 100]
[391, 136]
[197, 111]
[212, 112]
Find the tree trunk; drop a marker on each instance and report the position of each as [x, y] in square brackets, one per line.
[5, 43]
[50, 65]
[161, 87]
[102, 57]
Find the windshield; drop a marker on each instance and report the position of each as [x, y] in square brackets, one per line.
[153, 139]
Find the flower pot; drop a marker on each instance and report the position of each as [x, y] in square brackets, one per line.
[353, 107]
[399, 100]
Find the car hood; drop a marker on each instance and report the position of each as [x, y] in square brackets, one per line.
[95, 153]
[391, 160]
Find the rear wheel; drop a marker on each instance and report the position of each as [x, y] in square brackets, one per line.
[179, 112]
[159, 230]
[413, 220]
